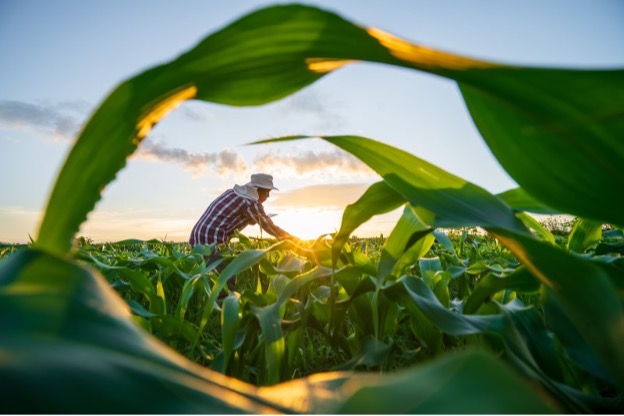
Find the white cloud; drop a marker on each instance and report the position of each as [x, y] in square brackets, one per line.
[53, 120]
[224, 162]
[331, 162]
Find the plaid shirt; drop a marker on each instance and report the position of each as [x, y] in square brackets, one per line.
[227, 214]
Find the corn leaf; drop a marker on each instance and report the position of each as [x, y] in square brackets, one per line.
[409, 240]
[379, 198]
[230, 322]
[520, 200]
[555, 130]
[520, 280]
[454, 201]
[455, 383]
[584, 234]
[446, 320]
[577, 283]
[76, 335]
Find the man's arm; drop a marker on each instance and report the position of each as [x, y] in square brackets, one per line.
[256, 212]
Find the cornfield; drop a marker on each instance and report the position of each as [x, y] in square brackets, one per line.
[470, 305]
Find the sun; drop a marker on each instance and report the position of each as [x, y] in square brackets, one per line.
[308, 223]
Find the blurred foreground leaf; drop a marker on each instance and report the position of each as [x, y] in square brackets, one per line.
[68, 338]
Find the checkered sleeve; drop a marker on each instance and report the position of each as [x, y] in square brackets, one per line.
[256, 212]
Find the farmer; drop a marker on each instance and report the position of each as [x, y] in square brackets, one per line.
[233, 210]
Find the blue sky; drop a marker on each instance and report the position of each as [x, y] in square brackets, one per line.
[61, 58]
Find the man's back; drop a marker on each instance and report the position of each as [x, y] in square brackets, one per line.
[222, 218]
[232, 211]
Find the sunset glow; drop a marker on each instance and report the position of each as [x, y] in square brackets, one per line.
[309, 223]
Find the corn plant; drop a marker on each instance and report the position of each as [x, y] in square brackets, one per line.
[69, 343]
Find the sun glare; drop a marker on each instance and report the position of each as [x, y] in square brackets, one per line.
[306, 224]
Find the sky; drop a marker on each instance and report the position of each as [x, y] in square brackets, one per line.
[61, 58]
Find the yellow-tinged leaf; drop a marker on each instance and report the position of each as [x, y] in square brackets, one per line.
[161, 108]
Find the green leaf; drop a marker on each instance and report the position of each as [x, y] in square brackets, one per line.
[432, 264]
[142, 285]
[271, 323]
[240, 263]
[470, 382]
[520, 200]
[139, 310]
[584, 234]
[409, 240]
[174, 327]
[520, 280]
[274, 342]
[535, 225]
[576, 347]
[449, 322]
[379, 198]
[230, 322]
[532, 350]
[372, 353]
[444, 239]
[556, 132]
[455, 202]
[578, 284]
[540, 342]
[188, 289]
[67, 336]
